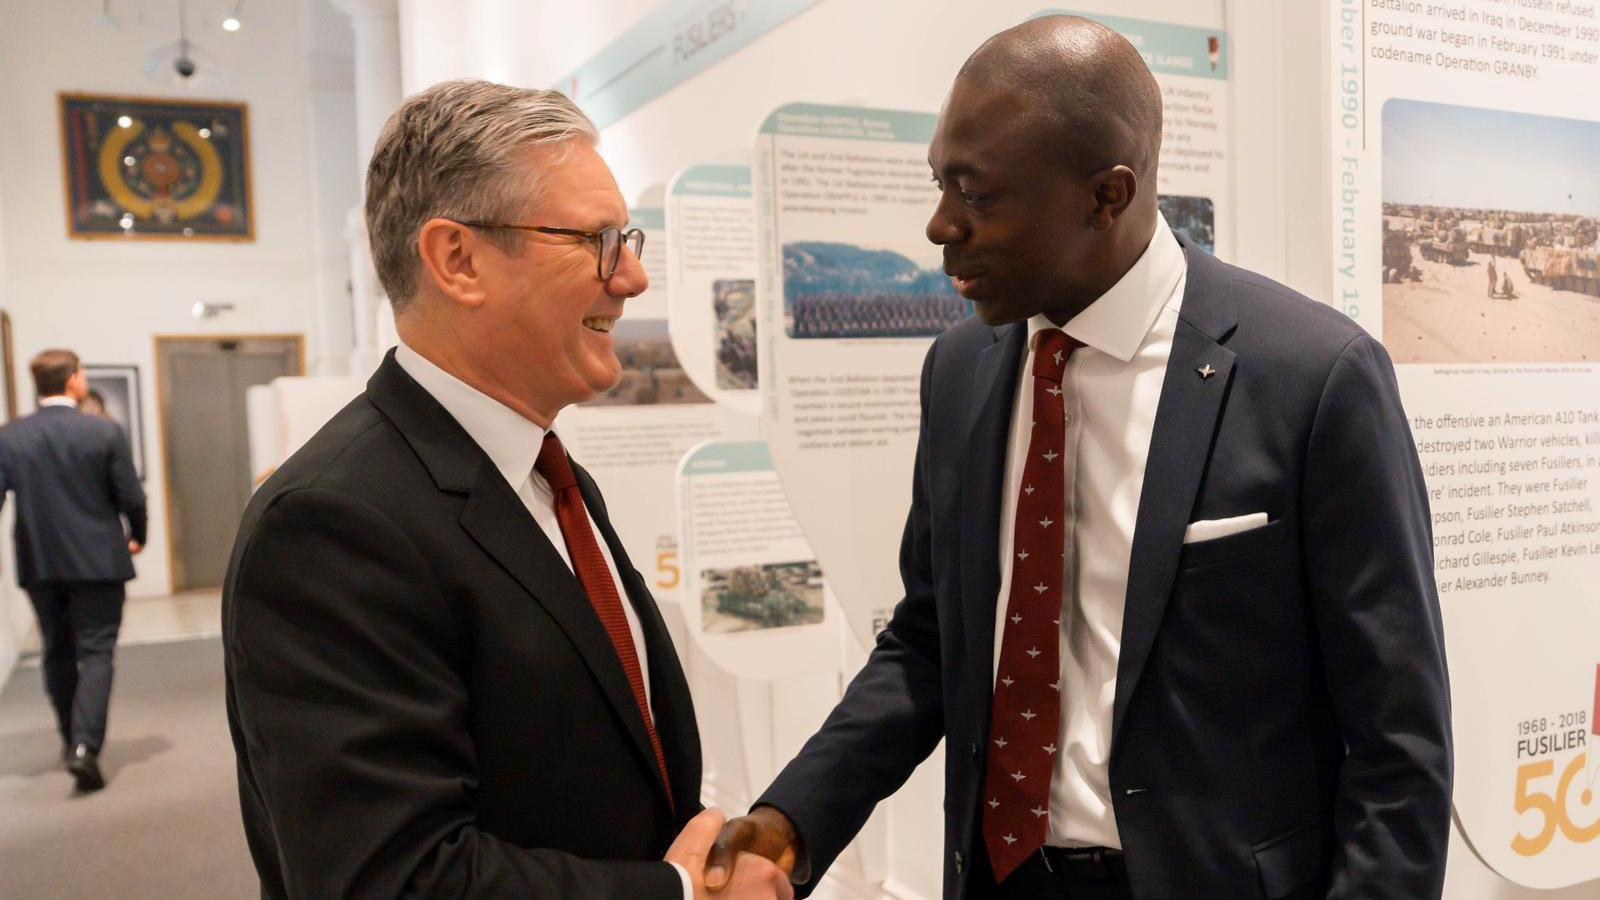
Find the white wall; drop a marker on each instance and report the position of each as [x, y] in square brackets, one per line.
[107, 299]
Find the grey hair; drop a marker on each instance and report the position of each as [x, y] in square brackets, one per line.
[449, 152]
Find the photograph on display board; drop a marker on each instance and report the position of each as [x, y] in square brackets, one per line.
[734, 300]
[1489, 235]
[149, 168]
[756, 598]
[651, 373]
[838, 290]
[114, 395]
[1193, 217]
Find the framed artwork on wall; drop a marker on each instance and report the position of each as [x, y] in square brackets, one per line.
[117, 390]
[9, 360]
[156, 169]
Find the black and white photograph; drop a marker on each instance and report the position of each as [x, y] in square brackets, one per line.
[114, 395]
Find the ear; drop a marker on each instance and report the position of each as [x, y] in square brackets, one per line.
[452, 260]
[1114, 190]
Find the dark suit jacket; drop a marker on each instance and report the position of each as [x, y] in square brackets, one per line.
[73, 476]
[422, 699]
[1281, 723]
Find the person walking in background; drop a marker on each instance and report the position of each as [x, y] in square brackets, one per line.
[74, 480]
[1491, 276]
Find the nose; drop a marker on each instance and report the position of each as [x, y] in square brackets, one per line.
[945, 226]
[630, 279]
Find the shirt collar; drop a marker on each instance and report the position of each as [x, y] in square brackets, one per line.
[58, 400]
[511, 442]
[1117, 322]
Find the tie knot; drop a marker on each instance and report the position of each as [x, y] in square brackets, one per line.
[1051, 353]
[553, 465]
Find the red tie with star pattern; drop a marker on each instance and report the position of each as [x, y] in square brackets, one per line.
[1027, 691]
[595, 576]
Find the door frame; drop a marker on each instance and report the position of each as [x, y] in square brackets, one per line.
[297, 339]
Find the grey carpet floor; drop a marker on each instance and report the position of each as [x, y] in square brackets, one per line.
[167, 823]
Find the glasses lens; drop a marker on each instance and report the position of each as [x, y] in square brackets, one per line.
[635, 240]
[610, 250]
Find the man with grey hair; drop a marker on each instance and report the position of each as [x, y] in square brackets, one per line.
[445, 678]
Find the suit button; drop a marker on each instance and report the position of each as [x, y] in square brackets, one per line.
[974, 750]
[959, 862]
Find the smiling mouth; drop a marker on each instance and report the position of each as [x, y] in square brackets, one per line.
[602, 324]
[963, 283]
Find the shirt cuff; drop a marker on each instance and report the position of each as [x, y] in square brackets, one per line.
[688, 885]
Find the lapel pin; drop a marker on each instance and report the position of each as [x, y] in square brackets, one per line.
[1206, 371]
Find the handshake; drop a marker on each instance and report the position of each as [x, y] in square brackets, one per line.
[752, 856]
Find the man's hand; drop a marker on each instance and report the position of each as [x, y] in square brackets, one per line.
[754, 877]
[764, 832]
[134, 547]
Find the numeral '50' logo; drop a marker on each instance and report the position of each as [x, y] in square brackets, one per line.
[1553, 808]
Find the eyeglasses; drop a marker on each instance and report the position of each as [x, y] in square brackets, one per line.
[608, 241]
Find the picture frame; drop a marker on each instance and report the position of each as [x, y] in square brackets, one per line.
[117, 386]
[149, 168]
[9, 360]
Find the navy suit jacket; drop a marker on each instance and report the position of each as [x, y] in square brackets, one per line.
[422, 699]
[1281, 723]
[74, 479]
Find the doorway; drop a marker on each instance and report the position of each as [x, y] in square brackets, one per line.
[201, 384]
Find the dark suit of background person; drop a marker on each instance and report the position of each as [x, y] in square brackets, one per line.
[74, 480]
[1278, 720]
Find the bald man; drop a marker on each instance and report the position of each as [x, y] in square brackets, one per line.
[1169, 594]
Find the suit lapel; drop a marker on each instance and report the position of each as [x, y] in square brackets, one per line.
[669, 688]
[498, 522]
[994, 392]
[1180, 445]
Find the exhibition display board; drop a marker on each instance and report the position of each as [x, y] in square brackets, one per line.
[632, 437]
[754, 597]
[1466, 196]
[849, 295]
[711, 260]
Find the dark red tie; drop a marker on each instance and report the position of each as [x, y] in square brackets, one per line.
[595, 576]
[1027, 691]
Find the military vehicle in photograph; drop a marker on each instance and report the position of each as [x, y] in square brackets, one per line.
[1447, 246]
[761, 597]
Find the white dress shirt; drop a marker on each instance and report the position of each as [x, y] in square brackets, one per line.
[57, 400]
[1111, 388]
[512, 444]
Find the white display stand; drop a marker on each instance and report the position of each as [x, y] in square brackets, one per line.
[1482, 283]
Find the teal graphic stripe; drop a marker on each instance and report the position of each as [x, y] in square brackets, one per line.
[650, 218]
[713, 181]
[1167, 49]
[730, 457]
[851, 123]
[677, 41]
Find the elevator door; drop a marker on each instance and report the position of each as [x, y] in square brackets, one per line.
[204, 432]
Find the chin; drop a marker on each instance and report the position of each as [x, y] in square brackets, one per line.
[605, 379]
[995, 316]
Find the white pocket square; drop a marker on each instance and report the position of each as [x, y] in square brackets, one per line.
[1212, 529]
